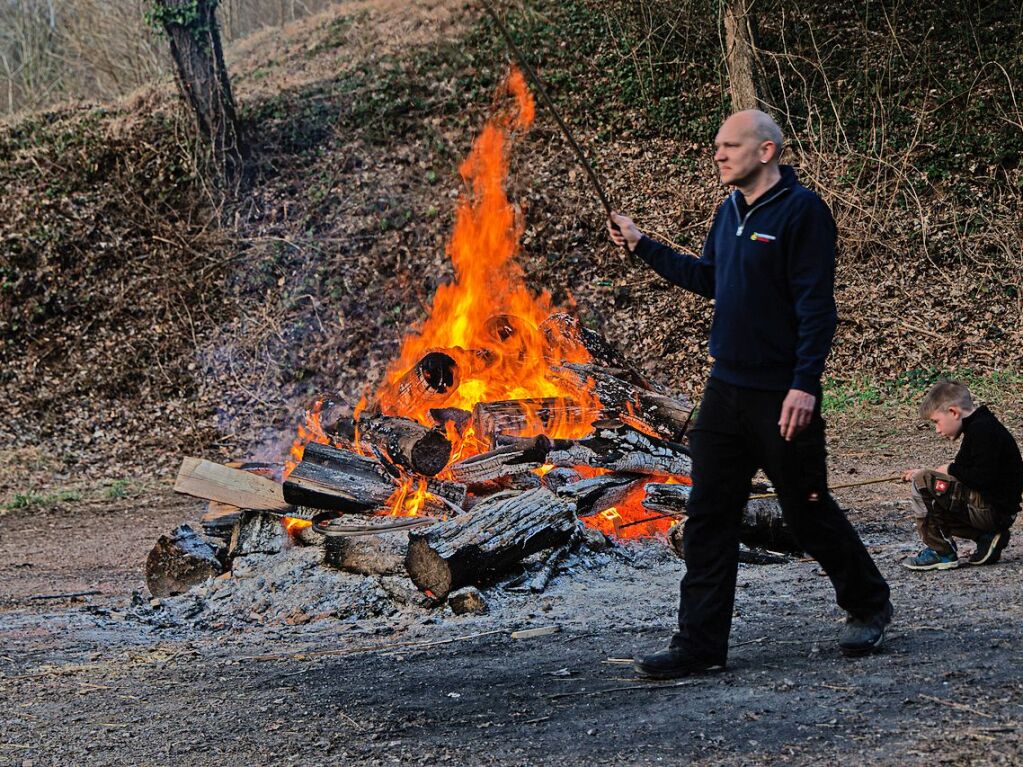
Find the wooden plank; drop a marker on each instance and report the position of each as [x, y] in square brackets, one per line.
[213, 482]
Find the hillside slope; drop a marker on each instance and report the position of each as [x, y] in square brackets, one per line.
[135, 324]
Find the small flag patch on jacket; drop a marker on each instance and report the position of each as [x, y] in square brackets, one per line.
[758, 237]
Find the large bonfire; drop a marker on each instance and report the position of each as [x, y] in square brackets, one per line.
[487, 338]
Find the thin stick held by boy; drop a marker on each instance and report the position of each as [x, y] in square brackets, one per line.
[977, 495]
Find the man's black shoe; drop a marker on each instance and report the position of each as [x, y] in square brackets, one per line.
[989, 547]
[861, 637]
[673, 663]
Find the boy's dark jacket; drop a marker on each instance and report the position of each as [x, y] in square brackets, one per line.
[770, 269]
[989, 462]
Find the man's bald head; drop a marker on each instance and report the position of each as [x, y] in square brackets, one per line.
[762, 126]
[747, 148]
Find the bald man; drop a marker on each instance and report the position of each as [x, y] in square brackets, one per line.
[769, 264]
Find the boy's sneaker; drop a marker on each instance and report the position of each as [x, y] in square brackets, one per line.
[929, 559]
[989, 547]
[673, 663]
[860, 637]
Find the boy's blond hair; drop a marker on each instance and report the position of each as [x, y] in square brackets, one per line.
[944, 395]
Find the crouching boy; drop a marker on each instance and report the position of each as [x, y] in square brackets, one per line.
[977, 496]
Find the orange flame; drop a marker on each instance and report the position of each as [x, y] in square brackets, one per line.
[309, 431]
[488, 338]
[292, 525]
[487, 321]
[629, 518]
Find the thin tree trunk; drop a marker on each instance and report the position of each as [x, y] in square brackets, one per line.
[191, 27]
[740, 54]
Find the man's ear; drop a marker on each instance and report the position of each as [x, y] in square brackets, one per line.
[955, 410]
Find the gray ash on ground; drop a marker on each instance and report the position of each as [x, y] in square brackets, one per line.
[296, 587]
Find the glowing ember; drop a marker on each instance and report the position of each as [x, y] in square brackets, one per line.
[292, 525]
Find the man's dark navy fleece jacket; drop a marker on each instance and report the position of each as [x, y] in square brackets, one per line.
[989, 462]
[770, 269]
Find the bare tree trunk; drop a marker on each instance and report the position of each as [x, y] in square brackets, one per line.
[740, 54]
[191, 26]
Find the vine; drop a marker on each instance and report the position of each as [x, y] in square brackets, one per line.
[162, 15]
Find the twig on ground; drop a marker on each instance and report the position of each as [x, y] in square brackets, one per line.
[68, 595]
[956, 706]
[302, 655]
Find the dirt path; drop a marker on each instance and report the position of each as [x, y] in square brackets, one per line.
[84, 683]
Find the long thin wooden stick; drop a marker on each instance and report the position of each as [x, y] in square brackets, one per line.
[550, 105]
[761, 496]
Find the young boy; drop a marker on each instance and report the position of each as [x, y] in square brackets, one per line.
[977, 496]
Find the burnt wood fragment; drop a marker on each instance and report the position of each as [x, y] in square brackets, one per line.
[407, 443]
[505, 461]
[338, 480]
[478, 545]
[618, 447]
[181, 560]
[623, 399]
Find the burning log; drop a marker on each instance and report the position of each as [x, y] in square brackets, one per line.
[513, 417]
[407, 443]
[619, 447]
[181, 560]
[567, 339]
[496, 534]
[437, 375]
[338, 480]
[501, 462]
[621, 399]
[587, 494]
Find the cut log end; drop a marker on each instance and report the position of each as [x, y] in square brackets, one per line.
[430, 571]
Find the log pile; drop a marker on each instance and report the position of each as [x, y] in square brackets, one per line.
[464, 520]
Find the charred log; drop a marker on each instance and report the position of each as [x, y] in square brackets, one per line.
[334, 479]
[407, 443]
[514, 417]
[762, 525]
[499, 532]
[624, 400]
[256, 532]
[619, 447]
[501, 462]
[382, 554]
[567, 339]
[181, 560]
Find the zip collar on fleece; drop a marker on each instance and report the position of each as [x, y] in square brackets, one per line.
[788, 179]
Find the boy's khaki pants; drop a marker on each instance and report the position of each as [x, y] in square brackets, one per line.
[943, 508]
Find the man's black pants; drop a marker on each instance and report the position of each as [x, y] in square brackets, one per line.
[737, 432]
